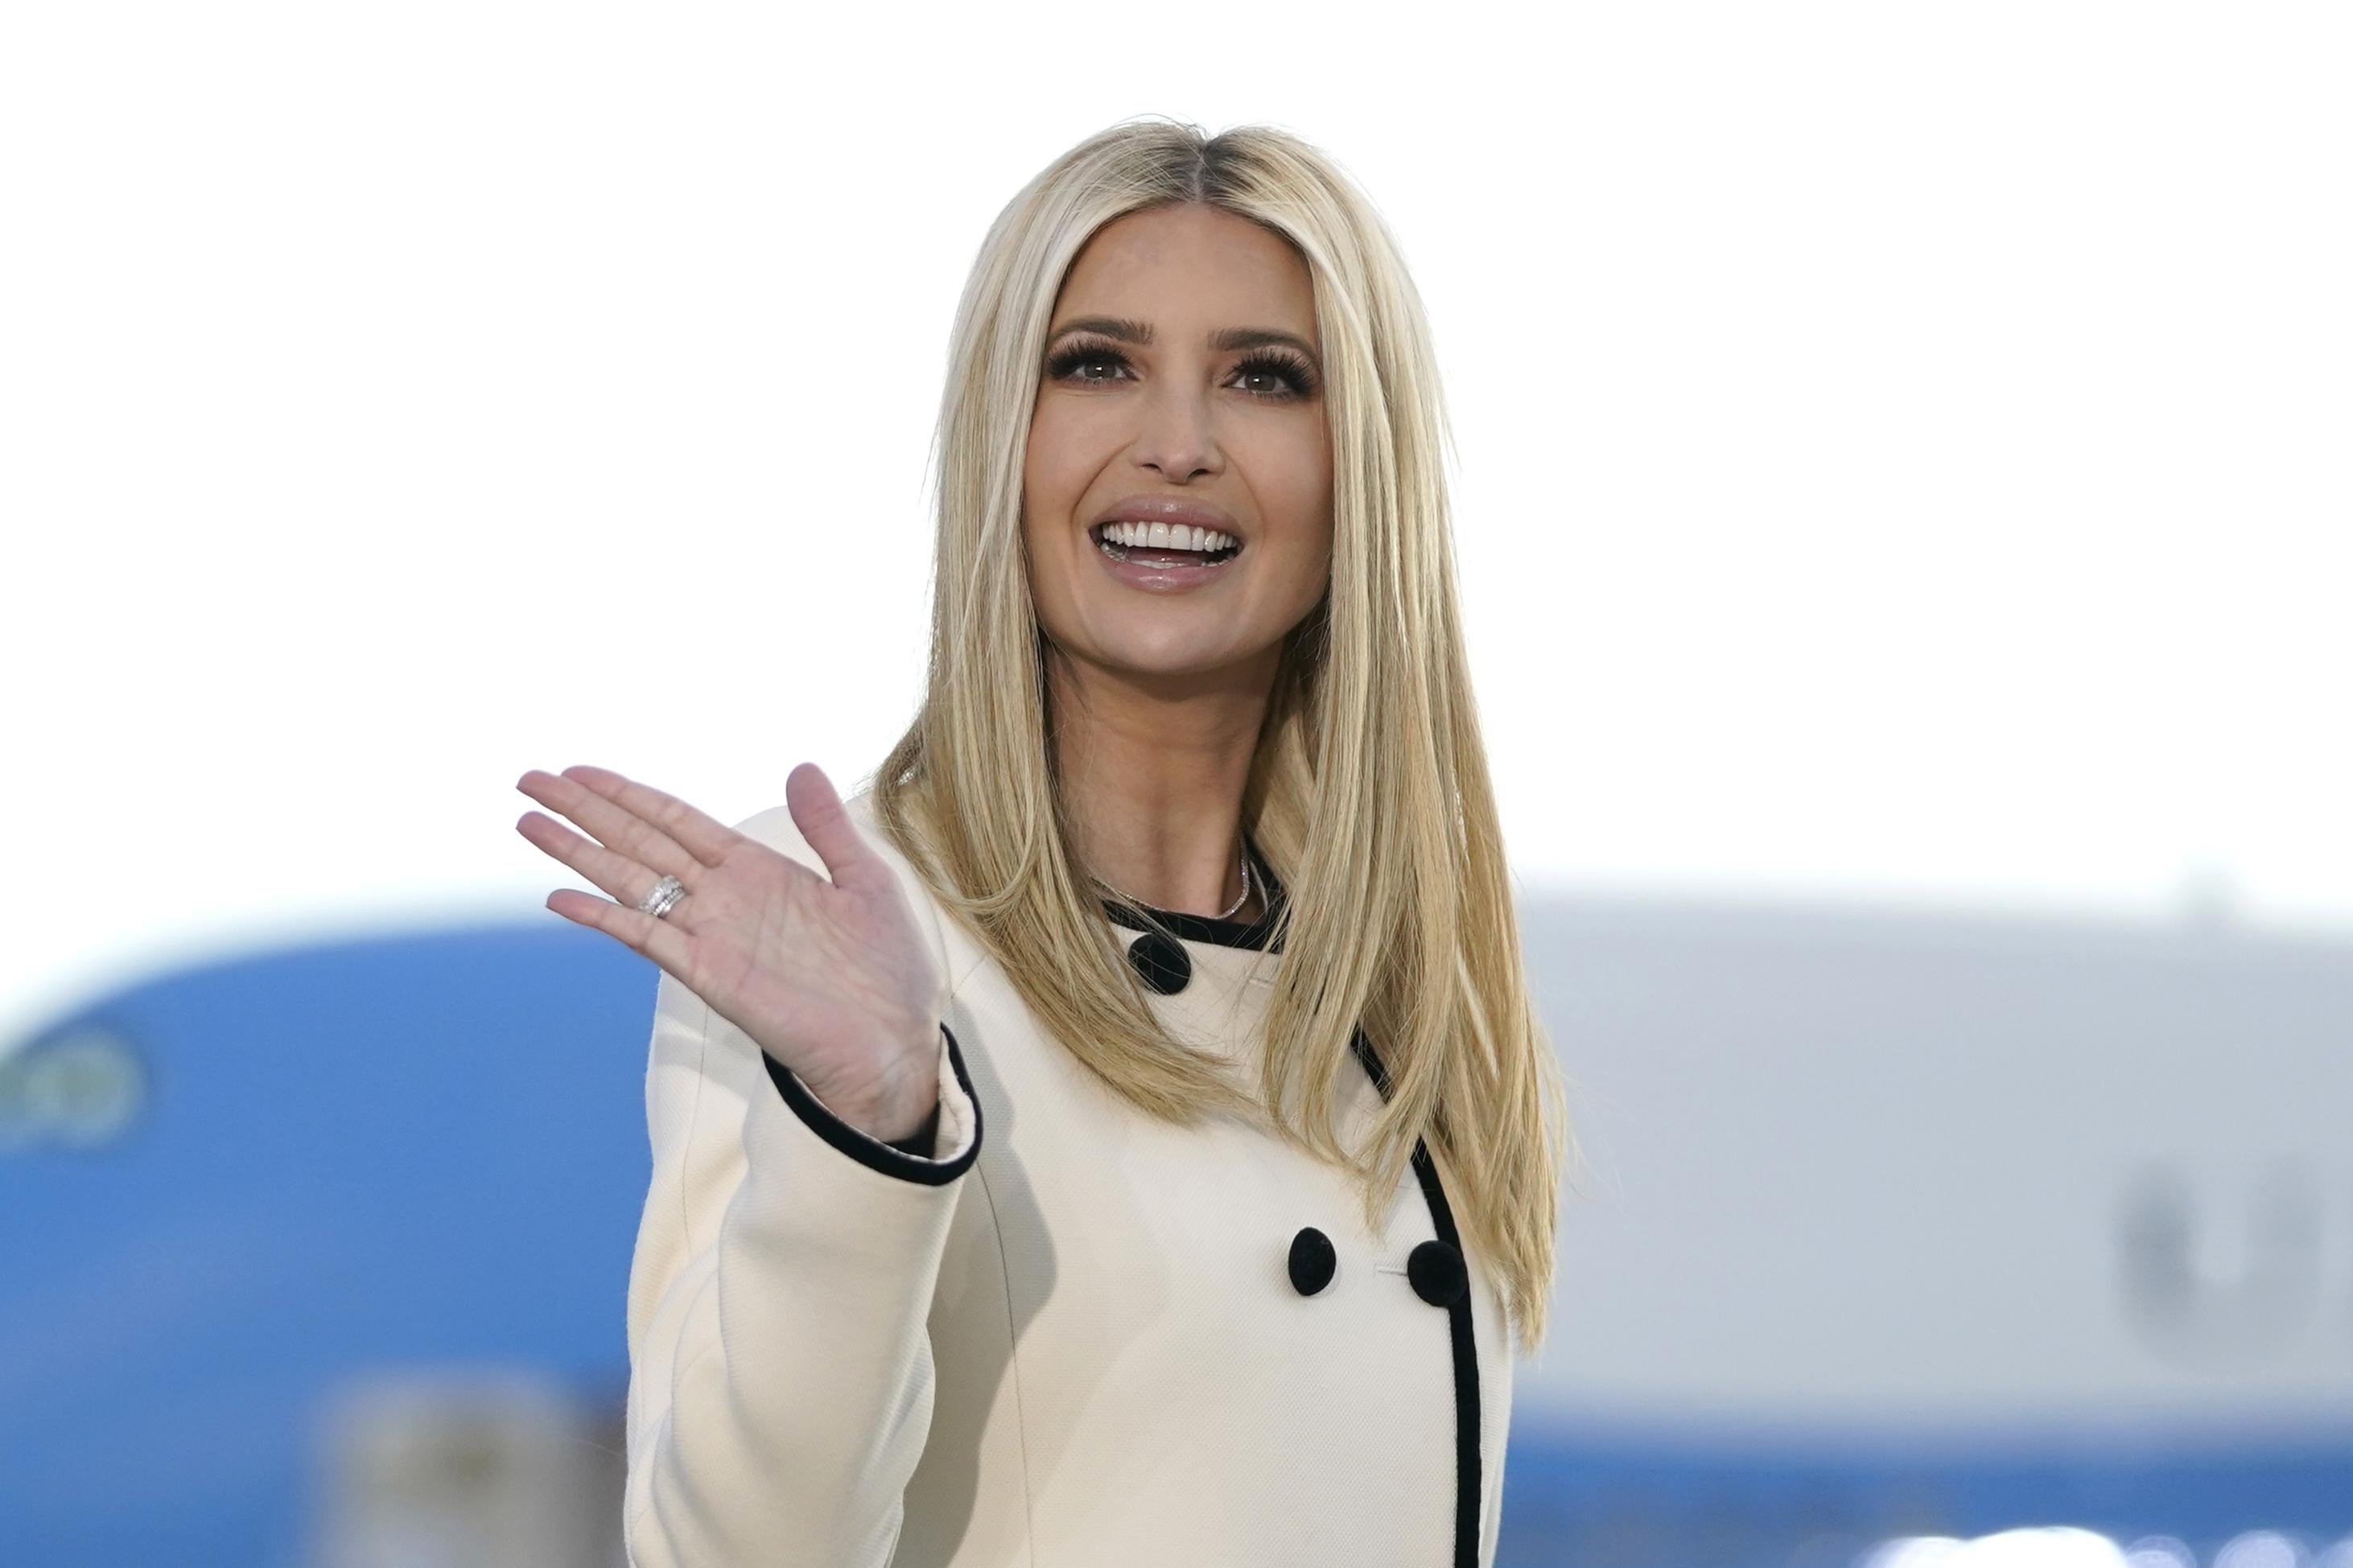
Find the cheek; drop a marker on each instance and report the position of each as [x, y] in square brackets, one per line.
[1054, 479]
[1047, 494]
[1295, 488]
[1060, 452]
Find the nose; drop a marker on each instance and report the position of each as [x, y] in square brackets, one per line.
[1176, 437]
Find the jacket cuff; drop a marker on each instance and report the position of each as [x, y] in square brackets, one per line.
[923, 1141]
[898, 1158]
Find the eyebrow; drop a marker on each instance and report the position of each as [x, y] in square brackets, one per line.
[1128, 331]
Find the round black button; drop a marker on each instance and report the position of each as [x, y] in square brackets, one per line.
[1162, 961]
[1312, 1260]
[1436, 1272]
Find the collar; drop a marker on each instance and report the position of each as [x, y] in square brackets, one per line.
[1258, 934]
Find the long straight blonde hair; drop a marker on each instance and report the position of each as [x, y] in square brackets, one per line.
[1368, 794]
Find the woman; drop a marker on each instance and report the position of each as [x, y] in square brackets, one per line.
[1118, 1132]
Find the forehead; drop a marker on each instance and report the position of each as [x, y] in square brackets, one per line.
[1190, 267]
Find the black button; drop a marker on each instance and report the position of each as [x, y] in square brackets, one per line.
[1436, 1272]
[1162, 961]
[1312, 1260]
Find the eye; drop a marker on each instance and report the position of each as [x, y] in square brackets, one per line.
[1295, 374]
[1298, 376]
[1079, 355]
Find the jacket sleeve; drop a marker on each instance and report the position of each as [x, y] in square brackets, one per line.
[780, 1367]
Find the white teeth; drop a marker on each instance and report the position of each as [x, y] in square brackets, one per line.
[1166, 536]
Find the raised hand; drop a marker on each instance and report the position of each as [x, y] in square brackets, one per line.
[834, 979]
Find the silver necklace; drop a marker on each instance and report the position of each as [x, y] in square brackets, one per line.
[1237, 904]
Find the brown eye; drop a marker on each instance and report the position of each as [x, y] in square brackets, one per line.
[1298, 378]
[1080, 356]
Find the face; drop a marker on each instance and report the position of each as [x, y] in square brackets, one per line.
[1183, 382]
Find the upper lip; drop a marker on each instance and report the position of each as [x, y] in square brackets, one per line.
[1175, 510]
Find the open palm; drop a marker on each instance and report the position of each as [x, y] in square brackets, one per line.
[834, 979]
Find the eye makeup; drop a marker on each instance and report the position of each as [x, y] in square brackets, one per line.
[1297, 375]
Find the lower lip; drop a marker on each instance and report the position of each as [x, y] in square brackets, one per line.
[1152, 578]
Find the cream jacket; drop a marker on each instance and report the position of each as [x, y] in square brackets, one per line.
[1073, 1338]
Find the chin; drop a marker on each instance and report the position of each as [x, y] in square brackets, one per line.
[1173, 659]
[1173, 656]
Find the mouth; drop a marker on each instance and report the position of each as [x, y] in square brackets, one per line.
[1158, 545]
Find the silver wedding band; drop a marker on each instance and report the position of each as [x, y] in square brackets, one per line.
[663, 898]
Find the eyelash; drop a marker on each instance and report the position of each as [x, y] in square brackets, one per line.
[1258, 362]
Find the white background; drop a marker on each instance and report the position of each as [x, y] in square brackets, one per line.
[1903, 450]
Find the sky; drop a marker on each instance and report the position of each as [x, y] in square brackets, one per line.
[1902, 453]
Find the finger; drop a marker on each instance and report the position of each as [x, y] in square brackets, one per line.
[818, 813]
[617, 826]
[623, 877]
[705, 837]
[658, 940]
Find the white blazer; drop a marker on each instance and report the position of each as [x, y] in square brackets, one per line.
[1077, 1337]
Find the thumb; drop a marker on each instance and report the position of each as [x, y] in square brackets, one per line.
[825, 822]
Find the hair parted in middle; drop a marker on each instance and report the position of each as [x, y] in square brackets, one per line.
[1369, 793]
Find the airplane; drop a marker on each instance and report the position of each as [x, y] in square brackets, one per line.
[1895, 1237]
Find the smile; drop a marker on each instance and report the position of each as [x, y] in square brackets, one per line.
[1163, 564]
[1159, 543]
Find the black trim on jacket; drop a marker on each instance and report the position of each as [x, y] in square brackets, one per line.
[1460, 1330]
[892, 1159]
[925, 1139]
[1262, 933]
[1257, 933]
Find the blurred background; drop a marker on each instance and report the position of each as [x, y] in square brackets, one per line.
[1903, 500]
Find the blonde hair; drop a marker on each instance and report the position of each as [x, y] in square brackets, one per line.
[1368, 795]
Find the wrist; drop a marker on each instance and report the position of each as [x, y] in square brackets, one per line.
[892, 1120]
[898, 1102]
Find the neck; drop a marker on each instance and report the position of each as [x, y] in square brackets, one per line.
[1152, 772]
